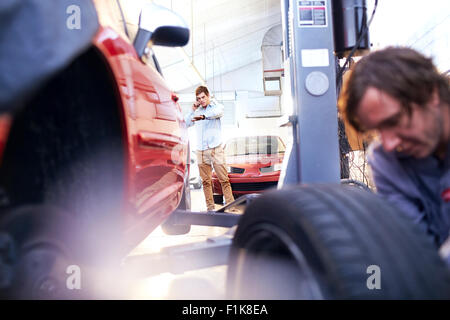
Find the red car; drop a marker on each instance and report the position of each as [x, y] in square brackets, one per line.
[253, 164]
[98, 156]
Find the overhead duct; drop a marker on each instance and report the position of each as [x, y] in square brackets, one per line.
[350, 20]
[272, 61]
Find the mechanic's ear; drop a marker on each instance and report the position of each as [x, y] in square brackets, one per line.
[160, 26]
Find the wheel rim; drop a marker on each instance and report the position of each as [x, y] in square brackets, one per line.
[274, 267]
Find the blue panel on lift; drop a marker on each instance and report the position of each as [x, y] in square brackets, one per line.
[309, 27]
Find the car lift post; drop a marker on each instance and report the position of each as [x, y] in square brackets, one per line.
[309, 52]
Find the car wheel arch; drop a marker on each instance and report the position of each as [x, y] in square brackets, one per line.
[80, 96]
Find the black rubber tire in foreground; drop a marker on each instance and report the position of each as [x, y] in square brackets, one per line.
[324, 241]
[39, 252]
[43, 249]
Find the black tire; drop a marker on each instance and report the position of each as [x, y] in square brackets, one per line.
[170, 227]
[38, 241]
[218, 198]
[322, 239]
[45, 248]
[65, 148]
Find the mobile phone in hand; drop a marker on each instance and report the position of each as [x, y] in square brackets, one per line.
[195, 105]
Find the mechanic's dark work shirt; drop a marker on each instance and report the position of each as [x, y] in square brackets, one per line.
[418, 187]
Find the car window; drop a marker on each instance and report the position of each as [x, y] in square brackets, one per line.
[254, 145]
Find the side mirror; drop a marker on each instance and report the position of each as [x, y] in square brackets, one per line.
[161, 27]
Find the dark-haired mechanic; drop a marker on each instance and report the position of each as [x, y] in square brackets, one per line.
[400, 94]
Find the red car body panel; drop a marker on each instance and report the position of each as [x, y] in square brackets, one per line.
[154, 131]
[154, 135]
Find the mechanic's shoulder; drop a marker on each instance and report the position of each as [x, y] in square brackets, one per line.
[375, 149]
[377, 156]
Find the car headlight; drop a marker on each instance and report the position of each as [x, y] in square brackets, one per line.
[277, 167]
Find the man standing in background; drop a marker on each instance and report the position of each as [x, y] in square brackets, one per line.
[206, 118]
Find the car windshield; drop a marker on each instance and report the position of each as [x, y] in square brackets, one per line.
[254, 145]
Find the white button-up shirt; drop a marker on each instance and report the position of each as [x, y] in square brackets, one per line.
[209, 131]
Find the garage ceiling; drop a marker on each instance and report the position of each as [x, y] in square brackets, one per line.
[225, 35]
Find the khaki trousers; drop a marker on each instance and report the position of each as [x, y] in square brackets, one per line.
[207, 159]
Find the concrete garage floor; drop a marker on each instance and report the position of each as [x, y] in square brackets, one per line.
[207, 283]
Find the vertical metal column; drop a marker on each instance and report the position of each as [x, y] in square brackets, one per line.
[309, 49]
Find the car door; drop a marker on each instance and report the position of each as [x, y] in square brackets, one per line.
[157, 138]
[160, 142]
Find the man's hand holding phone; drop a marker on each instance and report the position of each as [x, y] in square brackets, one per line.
[195, 105]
